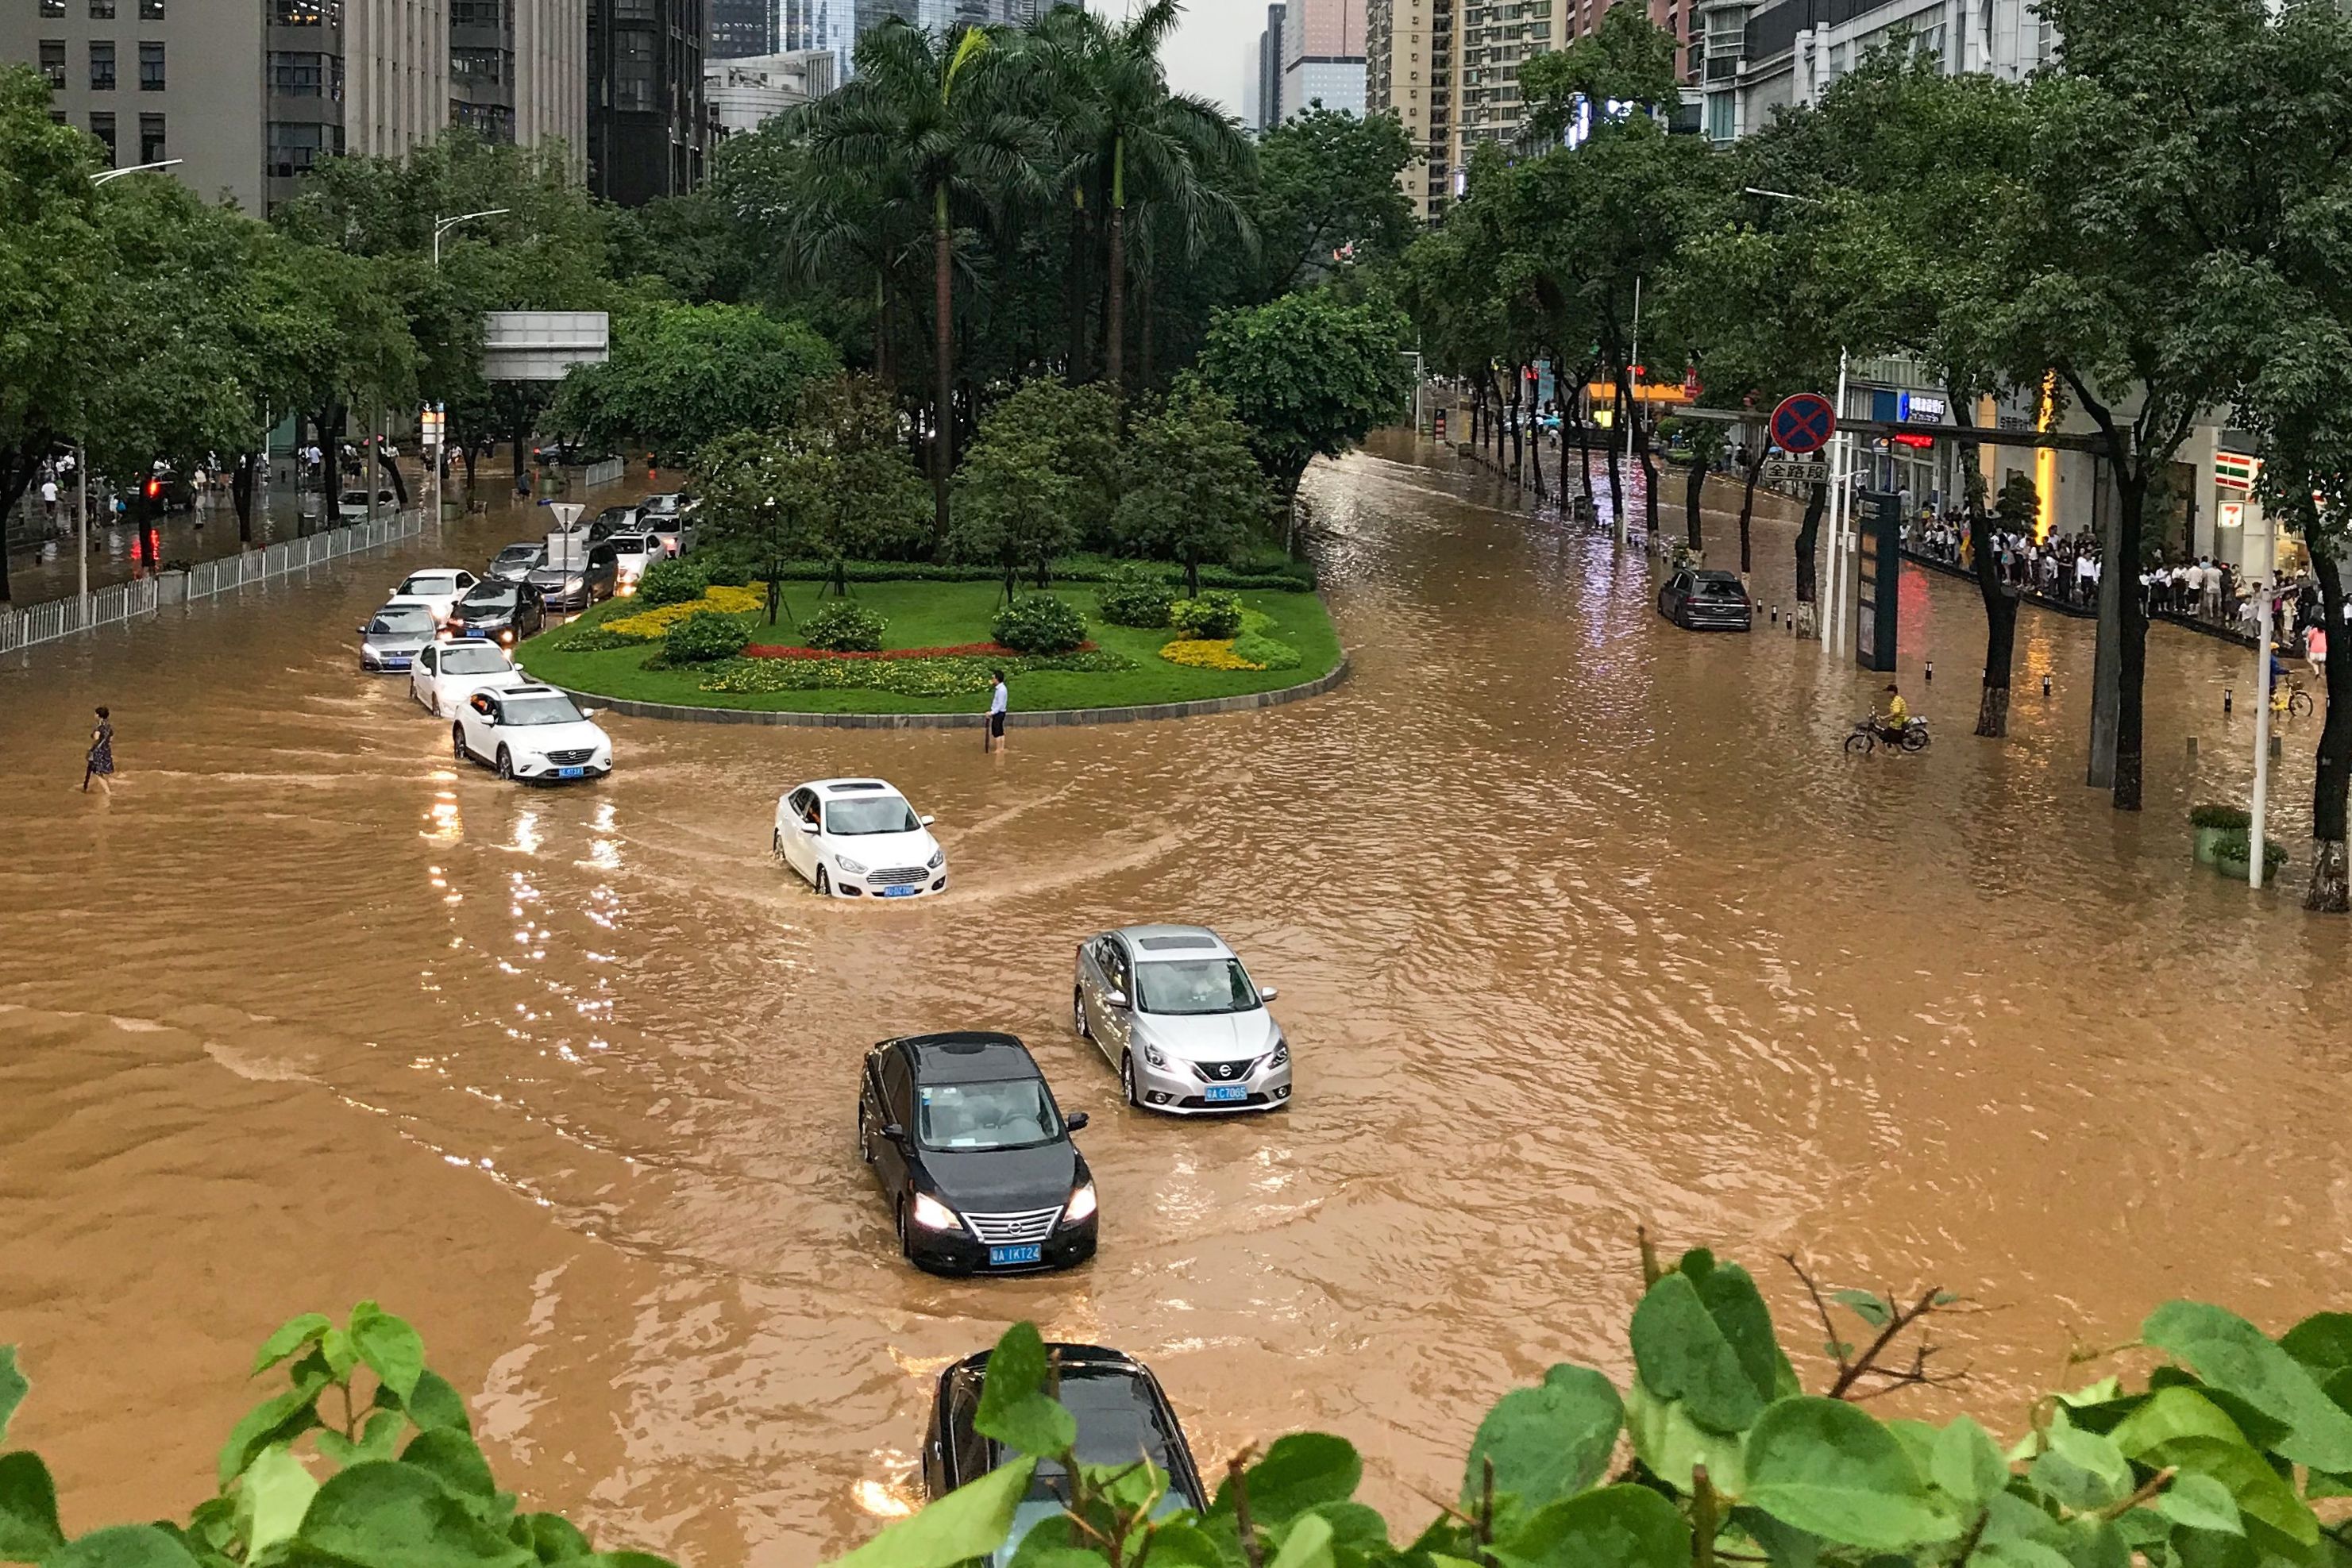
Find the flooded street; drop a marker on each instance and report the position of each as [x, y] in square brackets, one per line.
[1579, 922]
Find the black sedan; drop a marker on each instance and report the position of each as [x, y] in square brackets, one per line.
[974, 1155]
[506, 613]
[1121, 1412]
[1707, 601]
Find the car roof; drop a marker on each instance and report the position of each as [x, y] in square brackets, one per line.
[967, 1056]
[527, 546]
[531, 691]
[1162, 941]
[1717, 576]
[833, 787]
[1069, 1354]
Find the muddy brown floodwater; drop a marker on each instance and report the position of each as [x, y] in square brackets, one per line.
[1579, 922]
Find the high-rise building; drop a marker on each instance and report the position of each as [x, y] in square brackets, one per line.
[1408, 73]
[1269, 70]
[647, 134]
[1322, 55]
[740, 29]
[837, 25]
[744, 94]
[248, 96]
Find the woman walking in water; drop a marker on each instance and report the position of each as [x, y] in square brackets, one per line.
[101, 756]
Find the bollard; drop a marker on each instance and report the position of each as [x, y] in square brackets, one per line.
[2046, 685]
[1776, 615]
[2277, 742]
[2192, 749]
[1931, 672]
[2227, 694]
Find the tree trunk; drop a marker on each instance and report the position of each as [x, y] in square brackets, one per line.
[1535, 461]
[329, 425]
[1143, 320]
[2000, 616]
[1808, 536]
[1694, 493]
[943, 368]
[1115, 312]
[16, 471]
[1583, 439]
[1751, 470]
[1073, 291]
[2131, 624]
[390, 463]
[2331, 890]
[1518, 427]
[881, 330]
[1616, 480]
[240, 491]
[467, 452]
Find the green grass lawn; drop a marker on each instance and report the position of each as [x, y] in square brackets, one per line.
[945, 614]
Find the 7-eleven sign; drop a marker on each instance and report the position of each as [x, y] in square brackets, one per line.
[2237, 470]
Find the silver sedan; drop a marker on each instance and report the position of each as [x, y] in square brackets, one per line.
[1173, 1008]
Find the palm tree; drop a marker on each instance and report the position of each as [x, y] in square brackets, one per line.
[1126, 134]
[927, 123]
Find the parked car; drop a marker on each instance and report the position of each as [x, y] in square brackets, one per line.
[530, 733]
[973, 1156]
[1121, 1412]
[390, 639]
[1707, 601]
[504, 611]
[351, 505]
[446, 673]
[578, 587]
[855, 836]
[671, 516]
[438, 589]
[558, 454]
[633, 552]
[1174, 1010]
[516, 562]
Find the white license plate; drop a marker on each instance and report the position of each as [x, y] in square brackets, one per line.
[1225, 1093]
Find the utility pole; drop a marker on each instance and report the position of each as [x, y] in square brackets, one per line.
[81, 525]
[1834, 622]
[2268, 600]
[1633, 404]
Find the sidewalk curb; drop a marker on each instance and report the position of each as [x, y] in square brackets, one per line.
[1049, 718]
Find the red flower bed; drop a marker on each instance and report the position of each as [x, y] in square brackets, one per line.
[961, 650]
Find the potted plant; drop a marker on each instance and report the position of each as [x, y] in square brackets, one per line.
[2233, 853]
[2209, 823]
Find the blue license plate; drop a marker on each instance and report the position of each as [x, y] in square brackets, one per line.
[1225, 1093]
[395, 664]
[900, 892]
[476, 632]
[1004, 1257]
[570, 772]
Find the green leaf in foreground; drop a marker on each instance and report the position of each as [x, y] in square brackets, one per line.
[1672, 1444]
[1548, 1442]
[124, 1546]
[1684, 1354]
[1298, 1472]
[289, 1338]
[28, 1510]
[13, 1386]
[1967, 1463]
[2017, 1554]
[970, 1522]
[273, 1496]
[391, 1348]
[1616, 1527]
[2258, 1491]
[389, 1515]
[1307, 1545]
[1015, 1408]
[2200, 1502]
[2235, 1355]
[1829, 1467]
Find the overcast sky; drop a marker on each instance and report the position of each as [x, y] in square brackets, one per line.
[1205, 56]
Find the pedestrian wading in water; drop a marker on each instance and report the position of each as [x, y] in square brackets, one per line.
[100, 764]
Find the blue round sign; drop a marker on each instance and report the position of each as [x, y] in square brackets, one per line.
[1803, 422]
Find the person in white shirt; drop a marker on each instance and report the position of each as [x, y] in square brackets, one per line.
[992, 738]
[49, 499]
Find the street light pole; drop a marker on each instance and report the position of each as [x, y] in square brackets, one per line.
[1834, 624]
[1633, 403]
[135, 169]
[443, 225]
[2268, 598]
[81, 525]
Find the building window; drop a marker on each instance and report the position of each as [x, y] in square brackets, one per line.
[1719, 108]
[150, 10]
[478, 13]
[476, 65]
[150, 67]
[102, 127]
[102, 10]
[101, 68]
[294, 148]
[53, 7]
[150, 139]
[306, 12]
[53, 61]
[295, 75]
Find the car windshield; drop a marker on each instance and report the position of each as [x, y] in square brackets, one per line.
[1184, 985]
[522, 553]
[633, 544]
[355, 497]
[471, 659]
[540, 710]
[425, 582]
[873, 814]
[1713, 588]
[405, 619]
[1118, 1424]
[491, 596]
[1004, 1113]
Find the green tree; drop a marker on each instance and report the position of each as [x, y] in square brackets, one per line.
[681, 375]
[1039, 480]
[1079, 427]
[1327, 187]
[1193, 490]
[1310, 374]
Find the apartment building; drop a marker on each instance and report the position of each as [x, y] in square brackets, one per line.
[646, 130]
[248, 94]
[1323, 57]
[745, 94]
[740, 29]
[1262, 74]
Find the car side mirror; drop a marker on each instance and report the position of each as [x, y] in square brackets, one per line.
[1076, 1124]
[807, 826]
[1268, 993]
[587, 713]
[1115, 999]
[894, 1132]
[360, 630]
[926, 819]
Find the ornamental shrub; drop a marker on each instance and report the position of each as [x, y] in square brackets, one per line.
[1265, 652]
[703, 638]
[1206, 654]
[1040, 624]
[671, 583]
[845, 626]
[2213, 816]
[2236, 846]
[1215, 615]
[1136, 595]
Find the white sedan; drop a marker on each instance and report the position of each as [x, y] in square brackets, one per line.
[438, 589]
[531, 732]
[446, 673]
[857, 838]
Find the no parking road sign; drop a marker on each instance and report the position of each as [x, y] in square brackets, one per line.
[1803, 422]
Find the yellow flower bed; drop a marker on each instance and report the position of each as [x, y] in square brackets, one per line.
[650, 625]
[1206, 654]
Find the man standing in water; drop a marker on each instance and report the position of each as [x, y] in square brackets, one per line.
[992, 736]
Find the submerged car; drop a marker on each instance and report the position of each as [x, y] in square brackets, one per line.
[438, 589]
[1707, 601]
[857, 838]
[1174, 1010]
[632, 553]
[516, 562]
[1122, 1415]
[592, 576]
[503, 613]
[392, 636]
[532, 733]
[446, 673]
[974, 1157]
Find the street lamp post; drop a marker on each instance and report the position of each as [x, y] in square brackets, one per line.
[443, 225]
[136, 169]
[2267, 599]
[81, 457]
[1632, 403]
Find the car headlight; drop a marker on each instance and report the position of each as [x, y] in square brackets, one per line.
[1281, 1051]
[939, 858]
[852, 867]
[932, 1214]
[507, 636]
[1151, 1054]
[1081, 1205]
[574, 584]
